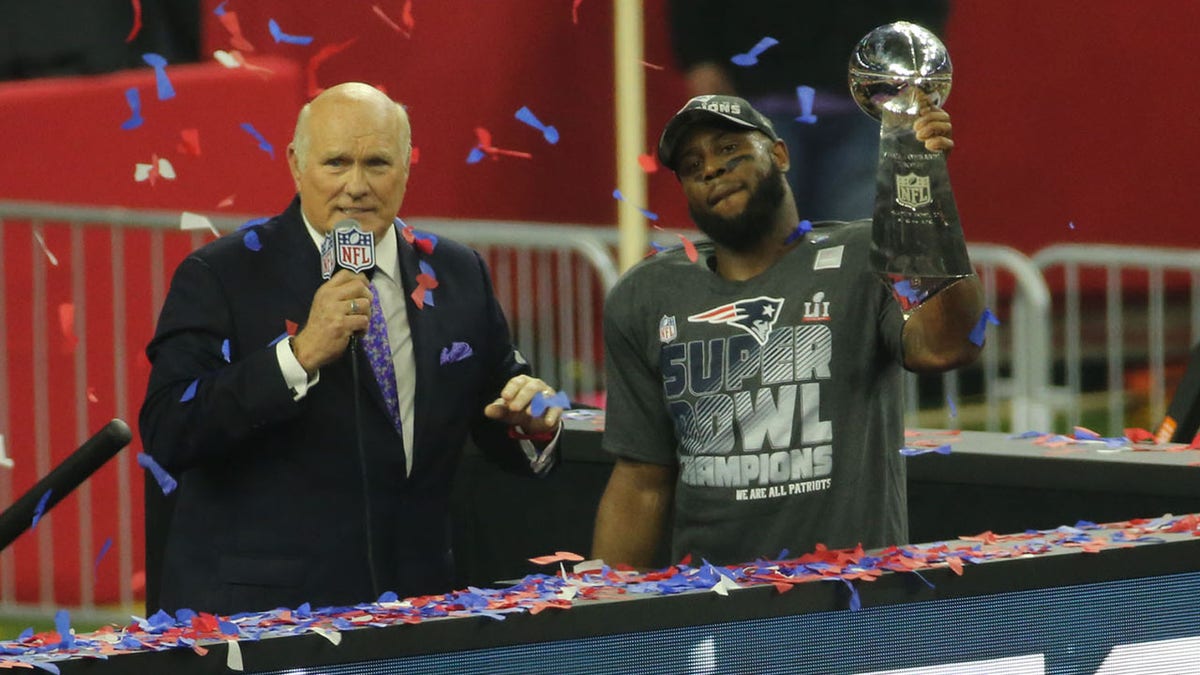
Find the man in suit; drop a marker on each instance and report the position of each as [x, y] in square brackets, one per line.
[291, 489]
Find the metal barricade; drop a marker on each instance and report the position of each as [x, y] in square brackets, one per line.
[1155, 290]
[1012, 369]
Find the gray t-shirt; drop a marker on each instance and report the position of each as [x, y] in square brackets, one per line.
[778, 398]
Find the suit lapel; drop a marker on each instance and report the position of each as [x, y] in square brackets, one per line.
[418, 325]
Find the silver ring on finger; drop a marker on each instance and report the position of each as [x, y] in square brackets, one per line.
[354, 306]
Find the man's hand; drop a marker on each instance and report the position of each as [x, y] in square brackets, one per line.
[512, 407]
[933, 127]
[340, 308]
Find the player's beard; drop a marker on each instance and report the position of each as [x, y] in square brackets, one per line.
[746, 230]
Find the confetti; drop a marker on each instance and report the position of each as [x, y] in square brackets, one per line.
[541, 403]
[5, 460]
[484, 147]
[103, 550]
[40, 509]
[162, 82]
[230, 21]
[426, 281]
[37, 235]
[802, 228]
[137, 21]
[750, 58]
[165, 480]
[91, 395]
[195, 221]
[980, 330]
[908, 451]
[135, 107]
[262, 142]
[226, 203]
[219, 10]
[953, 408]
[649, 214]
[575, 11]
[319, 58]
[1071, 225]
[648, 163]
[190, 392]
[66, 325]
[189, 142]
[159, 167]
[688, 247]
[62, 624]
[280, 36]
[558, 556]
[406, 18]
[653, 66]
[234, 659]
[226, 59]
[414, 156]
[250, 239]
[806, 96]
[524, 114]
[225, 350]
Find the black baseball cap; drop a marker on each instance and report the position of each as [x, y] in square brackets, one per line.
[726, 111]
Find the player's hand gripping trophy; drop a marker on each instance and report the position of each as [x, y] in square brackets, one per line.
[918, 246]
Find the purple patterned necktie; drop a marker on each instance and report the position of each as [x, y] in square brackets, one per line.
[379, 353]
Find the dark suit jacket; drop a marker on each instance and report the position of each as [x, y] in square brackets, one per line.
[273, 501]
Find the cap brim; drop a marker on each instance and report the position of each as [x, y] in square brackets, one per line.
[679, 125]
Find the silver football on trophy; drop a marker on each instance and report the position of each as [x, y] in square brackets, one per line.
[895, 63]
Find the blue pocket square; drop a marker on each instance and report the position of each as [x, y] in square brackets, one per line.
[457, 351]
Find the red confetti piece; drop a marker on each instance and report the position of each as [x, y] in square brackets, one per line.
[485, 144]
[290, 326]
[558, 556]
[415, 156]
[190, 145]
[66, 322]
[955, 564]
[226, 203]
[137, 21]
[91, 395]
[230, 21]
[575, 11]
[648, 163]
[655, 66]
[320, 57]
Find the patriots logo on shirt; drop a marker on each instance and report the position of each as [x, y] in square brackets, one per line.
[756, 316]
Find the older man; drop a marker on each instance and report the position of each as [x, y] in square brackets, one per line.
[310, 470]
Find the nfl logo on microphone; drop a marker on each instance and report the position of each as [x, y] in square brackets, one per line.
[355, 249]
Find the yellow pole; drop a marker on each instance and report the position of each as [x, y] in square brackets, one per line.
[630, 101]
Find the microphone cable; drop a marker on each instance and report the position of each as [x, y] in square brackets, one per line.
[362, 465]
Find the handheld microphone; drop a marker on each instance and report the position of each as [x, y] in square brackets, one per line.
[348, 247]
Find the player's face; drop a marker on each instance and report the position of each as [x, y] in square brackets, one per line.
[734, 184]
[356, 165]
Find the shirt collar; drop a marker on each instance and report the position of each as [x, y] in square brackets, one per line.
[386, 255]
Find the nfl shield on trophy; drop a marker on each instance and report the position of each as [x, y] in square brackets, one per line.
[917, 237]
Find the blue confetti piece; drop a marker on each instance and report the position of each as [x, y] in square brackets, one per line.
[426, 268]
[806, 96]
[262, 142]
[251, 223]
[953, 408]
[475, 156]
[980, 329]
[225, 350]
[103, 550]
[913, 452]
[750, 58]
[855, 601]
[649, 214]
[227, 627]
[541, 402]
[280, 36]
[47, 666]
[1071, 225]
[250, 239]
[184, 615]
[62, 624]
[40, 509]
[1028, 434]
[160, 622]
[802, 228]
[922, 578]
[190, 392]
[548, 132]
[25, 634]
[135, 107]
[388, 596]
[658, 248]
[162, 82]
[282, 336]
[165, 480]
[219, 10]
